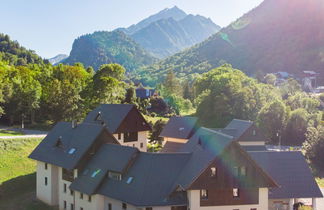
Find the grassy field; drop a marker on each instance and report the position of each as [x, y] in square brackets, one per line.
[9, 133]
[320, 181]
[17, 175]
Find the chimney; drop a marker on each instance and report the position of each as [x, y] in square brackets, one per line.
[74, 124]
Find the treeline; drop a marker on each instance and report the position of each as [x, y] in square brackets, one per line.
[42, 92]
[283, 112]
[15, 54]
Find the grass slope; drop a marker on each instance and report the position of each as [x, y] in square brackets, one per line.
[17, 177]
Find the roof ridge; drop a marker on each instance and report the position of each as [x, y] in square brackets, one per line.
[217, 132]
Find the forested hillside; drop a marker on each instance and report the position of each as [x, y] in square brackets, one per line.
[278, 35]
[15, 54]
[108, 47]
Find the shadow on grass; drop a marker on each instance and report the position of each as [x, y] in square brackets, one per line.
[20, 194]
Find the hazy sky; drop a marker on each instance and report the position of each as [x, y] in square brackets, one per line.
[50, 26]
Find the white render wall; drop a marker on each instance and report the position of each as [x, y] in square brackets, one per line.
[251, 143]
[97, 202]
[194, 202]
[47, 193]
[117, 205]
[142, 138]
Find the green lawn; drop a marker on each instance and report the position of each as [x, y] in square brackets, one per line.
[320, 181]
[9, 133]
[17, 175]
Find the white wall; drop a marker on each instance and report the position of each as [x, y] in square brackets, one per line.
[174, 140]
[117, 205]
[142, 138]
[64, 196]
[47, 193]
[251, 143]
[97, 202]
[194, 202]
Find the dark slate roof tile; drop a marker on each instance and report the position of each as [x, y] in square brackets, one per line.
[171, 147]
[79, 138]
[291, 172]
[110, 157]
[180, 127]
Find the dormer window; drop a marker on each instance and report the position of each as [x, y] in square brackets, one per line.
[243, 171]
[213, 171]
[59, 142]
[114, 175]
[254, 132]
[181, 129]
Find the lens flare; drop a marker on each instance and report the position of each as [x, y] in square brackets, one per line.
[241, 23]
[225, 37]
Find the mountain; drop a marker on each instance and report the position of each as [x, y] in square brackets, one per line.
[57, 59]
[278, 35]
[108, 47]
[165, 37]
[12, 52]
[175, 13]
[171, 31]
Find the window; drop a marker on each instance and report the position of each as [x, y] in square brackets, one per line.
[148, 208]
[46, 166]
[114, 175]
[72, 206]
[124, 206]
[204, 194]
[236, 192]
[130, 136]
[71, 192]
[81, 208]
[119, 136]
[46, 181]
[254, 209]
[72, 151]
[243, 171]
[129, 180]
[109, 206]
[98, 117]
[81, 196]
[64, 204]
[64, 188]
[94, 174]
[89, 198]
[67, 175]
[142, 145]
[133, 145]
[213, 171]
[254, 132]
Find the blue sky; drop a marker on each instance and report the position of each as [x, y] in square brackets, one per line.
[49, 27]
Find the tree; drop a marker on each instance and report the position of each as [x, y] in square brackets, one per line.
[272, 119]
[228, 93]
[107, 85]
[156, 130]
[130, 97]
[25, 94]
[270, 79]
[314, 145]
[296, 127]
[171, 85]
[61, 98]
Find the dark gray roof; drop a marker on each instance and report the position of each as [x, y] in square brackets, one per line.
[171, 147]
[180, 127]
[80, 138]
[110, 157]
[153, 177]
[254, 148]
[239, 125]
[291, 173]
[112, 115]
[205, 146]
